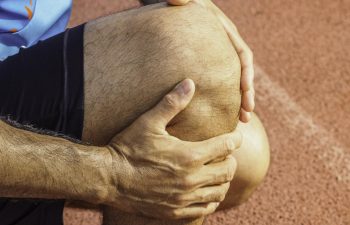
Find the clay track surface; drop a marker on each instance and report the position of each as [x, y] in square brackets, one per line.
[302, 60]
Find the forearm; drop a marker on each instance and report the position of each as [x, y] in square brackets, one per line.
[41, 166]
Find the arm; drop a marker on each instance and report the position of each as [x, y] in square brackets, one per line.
[41, 166]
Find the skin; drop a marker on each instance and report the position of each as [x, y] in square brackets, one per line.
[93, 174]
[60, 169]
[48, 173]
[55, 169]
[169, 183]
[195, 46]
[244, 53]
[253, 160]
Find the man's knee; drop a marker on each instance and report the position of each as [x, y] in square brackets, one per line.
[253, 160]
[150, 50]
[201, 50]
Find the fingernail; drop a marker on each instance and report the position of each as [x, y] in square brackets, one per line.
[183, 88]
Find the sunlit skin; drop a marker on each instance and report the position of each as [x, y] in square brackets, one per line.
[161, 53]
[162, 89]
[243, 50]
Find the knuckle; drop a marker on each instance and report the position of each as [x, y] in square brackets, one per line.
[202, 197]
[207, 211]
[216, 205]
[193, 157]
[175, 214]
[190, 159]
[250, 54]
[180, 200]
[226, 187]
[230, 173]
[187, 183]
[223, 192]
[171, 102]
[229, 145]
[216, 196]
[222, 197]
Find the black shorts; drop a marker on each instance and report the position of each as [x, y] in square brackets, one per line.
[43, 86]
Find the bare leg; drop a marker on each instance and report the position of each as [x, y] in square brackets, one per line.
[253, 159]
[133, 58]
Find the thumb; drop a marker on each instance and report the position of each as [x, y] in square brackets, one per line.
[171, 104]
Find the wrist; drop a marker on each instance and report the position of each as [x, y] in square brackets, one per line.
[93, 175]
[119, 174]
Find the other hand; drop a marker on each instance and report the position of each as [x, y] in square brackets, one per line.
[159, 175]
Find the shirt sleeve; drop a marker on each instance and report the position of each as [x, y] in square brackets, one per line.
[15, 14]
[25, 22]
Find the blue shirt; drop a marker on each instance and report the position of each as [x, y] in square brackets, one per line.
[25, 22]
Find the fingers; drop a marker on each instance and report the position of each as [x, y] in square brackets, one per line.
[194, 211]
[204, 195]
[247, 78]
[245, 116]
[213, 174]
[162, 211]
[244, 52]
[246, 58]
[171, 104]
[218, 148]
[198, 203]
[216, 173]
[248, 103]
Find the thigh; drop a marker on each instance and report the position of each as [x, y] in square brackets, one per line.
[134, 58]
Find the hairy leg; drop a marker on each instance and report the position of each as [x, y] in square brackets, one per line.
[133, 58]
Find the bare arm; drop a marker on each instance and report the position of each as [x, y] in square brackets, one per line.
[40, 166]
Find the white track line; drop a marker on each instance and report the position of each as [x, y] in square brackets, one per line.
[295, 119]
